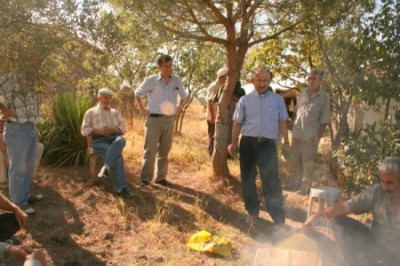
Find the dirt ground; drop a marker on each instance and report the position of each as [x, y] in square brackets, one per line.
[81, 222]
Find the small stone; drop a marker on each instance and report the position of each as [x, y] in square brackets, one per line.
[109, 237]
[59, 236]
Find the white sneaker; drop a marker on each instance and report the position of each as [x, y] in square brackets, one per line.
[28, 210]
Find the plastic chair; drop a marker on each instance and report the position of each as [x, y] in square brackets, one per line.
[324, 195]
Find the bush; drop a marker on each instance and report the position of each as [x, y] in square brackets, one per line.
[61, 133]
[363, 151]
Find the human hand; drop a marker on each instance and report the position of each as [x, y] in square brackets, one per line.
[178, 112]
[233, 149]
[7, 112]
[308, 223]
[21, 217]
[19, 252]
[145, 112]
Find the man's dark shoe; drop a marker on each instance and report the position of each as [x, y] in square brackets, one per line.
[144, 183]
[34, 198]
[279, 220]
[164, 183]
[125, 194]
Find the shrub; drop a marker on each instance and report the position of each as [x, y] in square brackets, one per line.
[363, 151]
[61, 134]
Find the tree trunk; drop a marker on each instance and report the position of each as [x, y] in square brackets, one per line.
[224, 113]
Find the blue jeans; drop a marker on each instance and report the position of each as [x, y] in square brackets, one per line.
[110, 150]
[21, 148]
[261, 154]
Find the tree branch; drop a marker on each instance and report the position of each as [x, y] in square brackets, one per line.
[275, 35]
[216, 12]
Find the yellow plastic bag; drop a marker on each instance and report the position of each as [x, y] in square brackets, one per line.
[205, 241]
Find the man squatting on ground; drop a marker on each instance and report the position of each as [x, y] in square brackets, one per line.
[378, 244]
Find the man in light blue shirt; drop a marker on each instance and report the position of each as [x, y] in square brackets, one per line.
[260, 116]
[162, 92]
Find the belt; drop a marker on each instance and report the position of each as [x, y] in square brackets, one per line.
[10, 121]
[260, 139]
[160, 115]
[104, 136]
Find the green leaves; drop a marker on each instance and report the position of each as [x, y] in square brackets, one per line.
[363, 151]
[64, 144]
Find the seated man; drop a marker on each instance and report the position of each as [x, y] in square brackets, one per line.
[106, 127]
[377, 245]
[10, 222]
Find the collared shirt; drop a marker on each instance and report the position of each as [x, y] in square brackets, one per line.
[162, 98]
[22, 101]
[311, 113]
[259, 115]
[385, 228]
[97, 118]
[212, 92]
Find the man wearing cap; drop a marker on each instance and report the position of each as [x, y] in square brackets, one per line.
[19, 104]
[106, 126]
[162, 91]
[259, 116]
[213, 94]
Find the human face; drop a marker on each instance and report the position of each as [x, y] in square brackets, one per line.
[261, 81]
[390, 183]
[165, 69]
[104, 100]
[314, 82]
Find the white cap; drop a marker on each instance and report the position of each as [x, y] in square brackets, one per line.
[105, 91]
[222, 72]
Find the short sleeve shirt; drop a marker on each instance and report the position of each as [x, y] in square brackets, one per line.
[212, 92]
[162, 98]
[385, 229]
[259, 115]
[311, 113]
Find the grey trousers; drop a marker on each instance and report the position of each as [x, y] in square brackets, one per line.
[304, 155]
[159, 133]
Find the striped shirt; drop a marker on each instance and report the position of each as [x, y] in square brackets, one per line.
[97, 118]
[23, 102]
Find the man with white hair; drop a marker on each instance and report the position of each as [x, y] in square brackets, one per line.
[379, 243]
[214, 92]
[106, 126]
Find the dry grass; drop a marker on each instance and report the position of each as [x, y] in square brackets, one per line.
[81, 225]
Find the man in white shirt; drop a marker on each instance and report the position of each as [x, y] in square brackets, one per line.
[162, 91]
